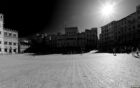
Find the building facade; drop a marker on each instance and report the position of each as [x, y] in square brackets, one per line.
[8, 39]
[107, 36]
[71, 35]
[123, 33]
[91, 38]
[72, 40]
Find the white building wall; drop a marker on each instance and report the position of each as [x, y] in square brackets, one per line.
[1, 33]
[12, 41]
[8, 38]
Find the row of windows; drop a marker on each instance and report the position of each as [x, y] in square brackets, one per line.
[10, 50]
[70, 33]
[10, 43]
[10, 34]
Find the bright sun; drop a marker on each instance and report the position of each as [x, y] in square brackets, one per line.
[107, 10]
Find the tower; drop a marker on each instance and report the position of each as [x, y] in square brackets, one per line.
[1, 21]
[1, 34]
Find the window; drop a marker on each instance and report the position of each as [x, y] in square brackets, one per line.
[14, 43]
[0, 32]
[10, 34]
[5, 33]
[14, 35]
[10, 43]
[5, 43]
[0, 42]
[5, 49]
[15, 50]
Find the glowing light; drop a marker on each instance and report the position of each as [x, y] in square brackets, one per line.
[107, 10]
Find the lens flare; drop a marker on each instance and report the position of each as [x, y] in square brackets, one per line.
[107, 10]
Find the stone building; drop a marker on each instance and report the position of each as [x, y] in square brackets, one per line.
[72, 40]
[82, 40]
[122, 33]
[8, 39]
[71, 34]
[107, 36]
[91, 38]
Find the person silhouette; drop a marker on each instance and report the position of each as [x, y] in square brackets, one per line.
[137, 52]
[114, 51]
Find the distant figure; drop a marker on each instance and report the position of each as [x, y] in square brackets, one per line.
[137, 52]
[114, 51]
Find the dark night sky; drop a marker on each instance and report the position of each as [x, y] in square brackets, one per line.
[32, 16]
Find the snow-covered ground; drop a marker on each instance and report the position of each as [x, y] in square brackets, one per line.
[69, 71]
